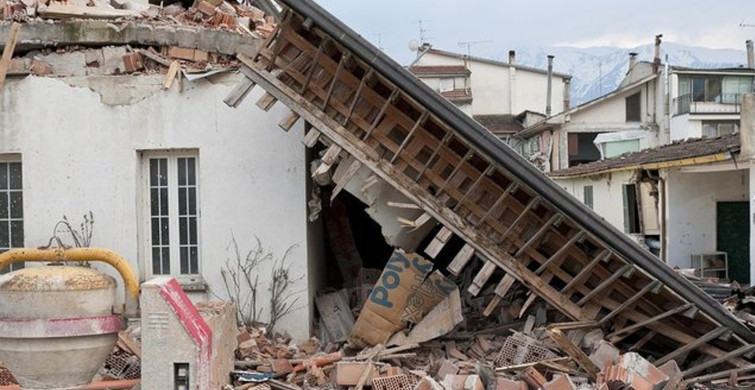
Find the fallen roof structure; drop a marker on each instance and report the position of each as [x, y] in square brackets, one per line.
[364, 105]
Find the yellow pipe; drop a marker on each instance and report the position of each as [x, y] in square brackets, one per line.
[76, 254]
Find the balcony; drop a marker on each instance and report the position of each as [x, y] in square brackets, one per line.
[725, 103]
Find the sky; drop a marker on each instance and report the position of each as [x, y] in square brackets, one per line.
[500, 25]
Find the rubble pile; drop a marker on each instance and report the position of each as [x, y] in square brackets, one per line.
[212, 14]
[173, 61]
[523, 346]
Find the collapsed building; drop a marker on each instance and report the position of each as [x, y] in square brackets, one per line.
[384, 148]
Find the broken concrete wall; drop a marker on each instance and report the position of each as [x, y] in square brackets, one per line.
[80, 154]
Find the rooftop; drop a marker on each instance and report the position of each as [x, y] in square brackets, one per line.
[699, 150]
[440, 70]
[432, 50]
[500, 124]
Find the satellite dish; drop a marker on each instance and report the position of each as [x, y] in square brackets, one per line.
[413, 45]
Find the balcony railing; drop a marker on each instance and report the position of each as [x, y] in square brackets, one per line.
[725, 103]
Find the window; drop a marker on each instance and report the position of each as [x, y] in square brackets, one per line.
[172, 222]
[582, 149]
[11, 210]
[587, 196]
[633, 108]
[706, 89]
[631, 209]
[712, 129]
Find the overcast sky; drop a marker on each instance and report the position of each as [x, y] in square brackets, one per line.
[507, 24]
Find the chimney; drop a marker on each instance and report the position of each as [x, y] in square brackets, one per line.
[750, 55]
[632, 60]
[567, 93]
[657, 53]
[747, 127]
[512, 57]
[550, 87]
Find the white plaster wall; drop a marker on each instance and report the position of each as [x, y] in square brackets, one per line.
[79, 154]
[607, 194]
[490, 85]
[681, 127]
[691, 209]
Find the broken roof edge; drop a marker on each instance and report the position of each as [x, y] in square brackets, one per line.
[490, 145]
[682, 162]
[115, 33]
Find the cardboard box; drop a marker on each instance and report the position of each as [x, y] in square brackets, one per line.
[384, 313]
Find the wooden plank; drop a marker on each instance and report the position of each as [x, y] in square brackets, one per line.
[605, 284]
[341, 180]
[311, 138]
[710, 336]
[461, 259]
[530, 205]
[328, 159]
[420, 121]
[357, 96]
[336, 314]
[239, 92]
[10, 47]
[561, 251]
[133, 346]
[491, 306]
[540, 232]
[585, 271]
[481, 278]
[438, 242]
[648, 321]
[629, 302]
[723, 359]
[341, 63]
[644, 340]
[289, 121]
[266, 102]
[574, 352]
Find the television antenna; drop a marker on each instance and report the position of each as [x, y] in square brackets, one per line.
[469, 45]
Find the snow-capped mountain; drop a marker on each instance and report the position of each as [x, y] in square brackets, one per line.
[599, 70]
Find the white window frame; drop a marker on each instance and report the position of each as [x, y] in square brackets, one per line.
[14, 158]
[192, 281]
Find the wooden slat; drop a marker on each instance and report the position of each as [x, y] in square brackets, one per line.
[585, 271]
[311, 138]
[606, 283]
[347, 175]
[10, 47]
[710, 336]
[461, 259]
[561, 251]
[438, 242]
[239, 92]
[421, 120]
[574, 352]
[723, 359]
[649, 321]
[540, 232]
[481, 278]
[266, 102]
[289, 121]
[630, 301]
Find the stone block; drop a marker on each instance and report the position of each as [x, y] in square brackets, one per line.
[604, 353]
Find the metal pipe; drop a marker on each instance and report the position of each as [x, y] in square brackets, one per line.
[550, 86]
[56, 255]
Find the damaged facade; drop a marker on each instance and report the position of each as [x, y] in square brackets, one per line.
[464, 237]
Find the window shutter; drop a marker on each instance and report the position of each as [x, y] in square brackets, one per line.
[633, 108]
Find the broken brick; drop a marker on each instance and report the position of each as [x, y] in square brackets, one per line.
[348, 373]
[604, 353]
[509, 384]
[447, 368]
[560, 382]
[133, 62]
[535, 380]
[427, 383]
[207, 8]
[463, 382]
[281, 367]
[180, 53]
